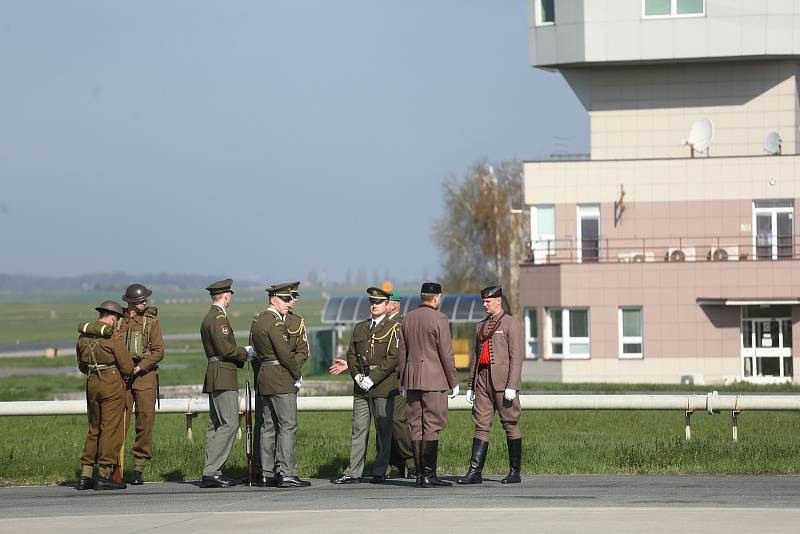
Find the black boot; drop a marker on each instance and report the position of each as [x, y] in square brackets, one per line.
[416, 451]
[137, 479]
[85, 483]
[514, 462]
[475, 472]
[430, 454]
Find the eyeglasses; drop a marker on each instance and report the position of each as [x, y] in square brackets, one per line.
[295, 295]
[285, 298]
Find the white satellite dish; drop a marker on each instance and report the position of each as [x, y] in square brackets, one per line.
[700, 136]
[772, 143]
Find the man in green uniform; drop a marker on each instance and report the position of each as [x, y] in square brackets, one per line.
[400, 458]
[104, 359]
[277, 383]
[221, 383]
[141, 331]
[372, 361]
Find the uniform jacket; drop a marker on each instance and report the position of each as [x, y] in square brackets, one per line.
[425, 352]
[506, 354]
[152, 346]
[219, 341]
[95, 350]
[379, 347]
[270, 338]
[298, 339]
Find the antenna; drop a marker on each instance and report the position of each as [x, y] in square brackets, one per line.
[700, 136]
[772, 143]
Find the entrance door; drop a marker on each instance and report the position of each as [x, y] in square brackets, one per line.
[767, 347]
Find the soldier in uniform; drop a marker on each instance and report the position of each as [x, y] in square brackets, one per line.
[494, 380]
[400, 457]
[427, 371]
[141, 331]
[277, 382]
[104, 359]
[372, 361]
[221, 383]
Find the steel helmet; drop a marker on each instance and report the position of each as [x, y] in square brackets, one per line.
[135, 293]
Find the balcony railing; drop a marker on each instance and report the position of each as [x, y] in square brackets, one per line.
[663, 249]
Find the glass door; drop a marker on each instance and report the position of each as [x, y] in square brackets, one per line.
[767, 347]
[588, 233]
[773, 229]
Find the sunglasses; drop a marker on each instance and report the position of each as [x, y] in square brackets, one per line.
[295, 295]
[285, 298]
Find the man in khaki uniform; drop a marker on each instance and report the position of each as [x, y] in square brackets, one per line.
[141, 330]
[494, 380]
[372, 361]
[400, 458]
[104, 359]
[277, 382]
[221, 383]
[427, 370]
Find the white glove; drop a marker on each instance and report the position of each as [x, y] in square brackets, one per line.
[299, 382]
[403, 392]
[250, 352]
[510, 394]
[454, 392]
[366, 383]
[359, 377]
[470, 396]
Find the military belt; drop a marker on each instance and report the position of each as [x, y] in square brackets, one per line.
[269, 362]
[101, 367]
[212, 359]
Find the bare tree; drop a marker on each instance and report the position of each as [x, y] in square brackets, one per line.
[481, 240]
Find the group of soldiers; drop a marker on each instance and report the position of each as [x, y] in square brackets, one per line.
[403, 371]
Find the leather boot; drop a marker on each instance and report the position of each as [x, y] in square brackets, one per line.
[514, 462]
[416, 451]
[137, 479]
[475, 473]
[85, 483]
[430, 454]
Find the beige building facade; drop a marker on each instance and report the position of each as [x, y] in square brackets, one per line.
[651, 262]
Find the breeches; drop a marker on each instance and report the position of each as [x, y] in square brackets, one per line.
[426, 413]
[487, 401]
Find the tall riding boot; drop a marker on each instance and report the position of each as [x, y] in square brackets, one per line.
[416, 452]
[475, 473]
[514, 462]
[430, 456]
[105, 481]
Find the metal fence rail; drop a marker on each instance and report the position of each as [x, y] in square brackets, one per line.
[710, 403]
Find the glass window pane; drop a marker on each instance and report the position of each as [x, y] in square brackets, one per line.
[686, 7]
[631, 323]
[748, 367]
[786, 326]
[533, 348]
[768, 366]
[555, 320]
[787, 366]
[657, 7]
[785, 235]
[579, 348]
[578, 323]
[747, 335]
[532, 326]
[631, 348]
[558, 348]
[545, 220]
[548, 10]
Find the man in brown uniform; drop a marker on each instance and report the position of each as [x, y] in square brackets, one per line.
[221, 383]
[427, 370]
[494, 381]
[400, 457]
[104, 359]
[141, 331]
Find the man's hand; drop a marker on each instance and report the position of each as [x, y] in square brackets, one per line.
[250, 352]
[366, 383]
[136, 370]
[454, 392]
[337, 367]
[510, 394]
[470, 396]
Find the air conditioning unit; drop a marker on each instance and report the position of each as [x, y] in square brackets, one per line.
[724, 253]
[680, 254]
[642, 257]
[693, 380]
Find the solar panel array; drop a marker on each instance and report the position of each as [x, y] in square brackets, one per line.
[352, 309]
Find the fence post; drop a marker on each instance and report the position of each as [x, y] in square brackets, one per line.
[189, 416]
[688, 424]
[735, 425]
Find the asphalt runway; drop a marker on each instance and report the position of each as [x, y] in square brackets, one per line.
[598, 504]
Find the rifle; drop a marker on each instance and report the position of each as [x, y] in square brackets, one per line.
[248, 429]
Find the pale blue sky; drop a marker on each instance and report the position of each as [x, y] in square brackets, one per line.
[257, 138]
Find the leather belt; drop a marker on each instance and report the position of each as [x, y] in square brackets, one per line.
[100, 367]
[269, 362]
[212, 359]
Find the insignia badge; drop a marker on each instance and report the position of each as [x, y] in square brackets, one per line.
[285, 336]
[226, 330]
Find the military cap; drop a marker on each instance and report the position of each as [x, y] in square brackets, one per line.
[491, 292]
[431, 288]
[295, 290]
[223, 286]
[111, 307]
[280, 290]
[377, 294]
[395, 296]
[135, 293]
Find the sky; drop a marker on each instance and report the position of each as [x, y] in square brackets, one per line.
[267, 139]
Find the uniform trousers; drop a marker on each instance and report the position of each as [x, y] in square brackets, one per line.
[223, 424]
[279, 435]
[426, 413]
[400, 455]
[105, 405]
[142, 402]
[487, 401]
[381, 409]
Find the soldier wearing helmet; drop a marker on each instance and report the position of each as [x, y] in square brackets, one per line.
[141, 331]
[104, 359]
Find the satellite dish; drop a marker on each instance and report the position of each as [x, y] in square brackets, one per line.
[772, 143]
[700, 136]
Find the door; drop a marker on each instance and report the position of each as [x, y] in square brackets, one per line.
[767, 347]
[774, 229]
[588, 233]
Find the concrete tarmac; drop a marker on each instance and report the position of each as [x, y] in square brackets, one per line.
[598, 504]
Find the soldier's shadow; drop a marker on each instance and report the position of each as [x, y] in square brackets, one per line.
[333, 468]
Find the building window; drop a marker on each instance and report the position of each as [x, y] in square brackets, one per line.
[568, 330]
[531, 334]
[545, 12]
[673, 8]
[630, 333]
[773, 229]
[588, 233]
[543, 232]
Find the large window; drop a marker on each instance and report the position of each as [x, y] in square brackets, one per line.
[545, 12]
[568, 330]
[531, 334]
[773, 229]
[543, 232]
[630, 333]
[673, 8]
